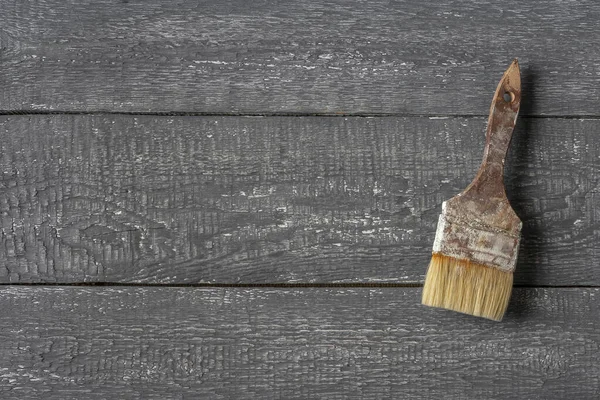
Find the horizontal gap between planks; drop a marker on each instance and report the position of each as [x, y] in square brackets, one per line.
[269, 285]
[276, 114]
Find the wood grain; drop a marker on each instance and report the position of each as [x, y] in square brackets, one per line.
[279, 199]
[183, 343]
[364, 56]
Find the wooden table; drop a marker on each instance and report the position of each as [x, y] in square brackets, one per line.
[237, 200]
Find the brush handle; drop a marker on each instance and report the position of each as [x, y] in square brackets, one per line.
[489, 181]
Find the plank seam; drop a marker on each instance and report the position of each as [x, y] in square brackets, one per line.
[270, 285]
[281, 114]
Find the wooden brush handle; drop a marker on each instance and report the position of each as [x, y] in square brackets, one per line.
[489, 181]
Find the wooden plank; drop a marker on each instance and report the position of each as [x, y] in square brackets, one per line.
[179, 343]
[364, 56]
[278, 199]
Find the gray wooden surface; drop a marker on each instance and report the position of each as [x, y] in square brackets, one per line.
[184, 343]
[279, 199]
[151, 152]
[296, 56]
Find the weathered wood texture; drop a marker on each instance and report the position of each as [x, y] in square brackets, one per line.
[279, 199]
[184, 343]
[364, 56]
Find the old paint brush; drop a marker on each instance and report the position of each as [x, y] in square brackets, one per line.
[478, 233]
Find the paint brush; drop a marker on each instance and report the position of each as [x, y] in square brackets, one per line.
[478, 233]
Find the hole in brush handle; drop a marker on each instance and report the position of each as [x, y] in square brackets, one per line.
[508, 97]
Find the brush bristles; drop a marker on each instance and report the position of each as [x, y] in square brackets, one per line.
[467, 287]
